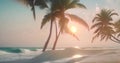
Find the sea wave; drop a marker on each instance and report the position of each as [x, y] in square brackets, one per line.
[10, 54]
[18, 50]
[11, 50]
[3, 52]
[68, 55]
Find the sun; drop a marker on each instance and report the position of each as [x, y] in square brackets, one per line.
[73, 29]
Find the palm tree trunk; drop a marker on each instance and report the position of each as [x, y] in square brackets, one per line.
[46, 44]
[33, 10]
[56, 40]
[56, 28]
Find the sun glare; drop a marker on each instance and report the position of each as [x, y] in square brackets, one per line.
[77, 47]
[73, 29]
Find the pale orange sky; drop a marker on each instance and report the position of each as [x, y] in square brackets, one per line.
[18, 28]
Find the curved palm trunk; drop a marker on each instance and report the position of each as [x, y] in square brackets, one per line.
[56, 40]
[56, 28]
[46, 44]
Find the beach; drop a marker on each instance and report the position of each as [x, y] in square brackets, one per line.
[71, 55]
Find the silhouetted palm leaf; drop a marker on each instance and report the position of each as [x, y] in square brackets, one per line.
[95, 36]
[75, 4]
[98, 30]
[33, 10]
[78, 20]
[46, 19]
[95, 19]
[96, 25]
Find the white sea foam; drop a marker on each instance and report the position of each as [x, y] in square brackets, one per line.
[25, 54]
[3, 52]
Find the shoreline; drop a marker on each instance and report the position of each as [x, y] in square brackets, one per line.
[66, 56]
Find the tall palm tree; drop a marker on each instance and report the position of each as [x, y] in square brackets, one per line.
[59, 7]
[42, 4]
[104, 25]
[57, 10]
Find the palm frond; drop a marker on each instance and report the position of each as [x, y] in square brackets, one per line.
[41, 3]
[98, 30]
[117, 24]
[33, 10]
[46, 19]
[75, 4]
[94, 19]
[114, 14]
[80, 5]
[96, 36]
[118, 35]
[78, 20]
[102, 37]
[96, 25]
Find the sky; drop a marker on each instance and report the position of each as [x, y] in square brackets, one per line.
[18, 28]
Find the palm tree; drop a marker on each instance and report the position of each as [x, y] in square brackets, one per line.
[104, 25]
[42, 4]
[57, 10]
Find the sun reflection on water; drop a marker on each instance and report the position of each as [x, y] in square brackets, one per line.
[77, 56]
[77, 47]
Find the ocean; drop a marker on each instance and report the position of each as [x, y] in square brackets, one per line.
[67, 55]
[15, 53]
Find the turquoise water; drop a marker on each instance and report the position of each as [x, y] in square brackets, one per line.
[18, 49]
[16, 53]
